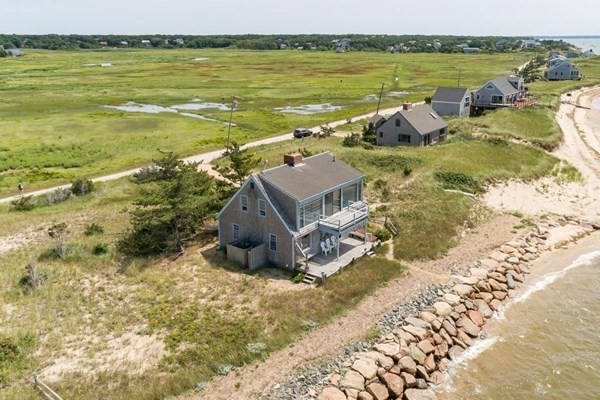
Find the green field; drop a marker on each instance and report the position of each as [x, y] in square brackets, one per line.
[53, 126]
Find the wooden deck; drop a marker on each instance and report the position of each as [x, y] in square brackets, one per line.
[350, 249]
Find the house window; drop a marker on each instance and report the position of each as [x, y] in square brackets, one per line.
[497, 99]
[310, 212]
[380, 134]
[398, 122]
[490, 87]
[272, 242]
[350, 194]
[477, 96]
[404, 138]
[467, 102]
[251, 185]
[244, 203]
[262, 208]
[236, 232]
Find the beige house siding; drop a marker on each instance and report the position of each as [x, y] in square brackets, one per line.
[254, 227]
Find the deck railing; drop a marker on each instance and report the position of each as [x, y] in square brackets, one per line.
[351, 215]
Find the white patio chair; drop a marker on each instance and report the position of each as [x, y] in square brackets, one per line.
[334, 242]
[329, 244]
[324, 248]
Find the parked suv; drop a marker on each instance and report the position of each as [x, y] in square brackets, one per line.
[302, 132]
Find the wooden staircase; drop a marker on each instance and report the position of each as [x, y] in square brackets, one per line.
[309, 279]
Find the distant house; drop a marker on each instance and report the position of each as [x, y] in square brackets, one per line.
[452, 101]
[179, 42]
[15, 52]
[561, 69]
[468, 50]
[146, 43]
[104, 43]
[531, 43]
[500, 92]
[412, 126]
[501, 45]
[124, 43]
[286, 215]
[377, 120]
[588, 53]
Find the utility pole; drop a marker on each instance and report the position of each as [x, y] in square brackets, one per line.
[380, 95]
[234, 104]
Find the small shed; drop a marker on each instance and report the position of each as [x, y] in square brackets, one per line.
[452, 101]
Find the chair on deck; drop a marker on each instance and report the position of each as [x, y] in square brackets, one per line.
[334, 242]
[325, 249]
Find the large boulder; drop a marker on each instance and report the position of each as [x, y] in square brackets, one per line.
[417, 394]
[407, 364]
[476, 317]
[425, 346]
[463, 290]
[417, 332]
[409, 379]
[378, 391]
[419, 323]
[332, 393]
[489, 264]
[394, 383]
[364, 396]
[468, 326]
[442, 308]
[353, 380]
[380, 359]
[427, 316]
[416, 354]
[483, 308]
[452, 299]
[447, 325]
[366, 367]
[388, 349]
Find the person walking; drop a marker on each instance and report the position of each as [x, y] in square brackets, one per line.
[20, 189]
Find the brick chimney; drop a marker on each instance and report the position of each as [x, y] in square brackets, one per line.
[407, 106]
[292, 159]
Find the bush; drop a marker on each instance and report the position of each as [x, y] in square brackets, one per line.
[407, 171]
[367, 146]
[383, 234]
[298, 278]
[351, 140]
[427, 100]
[458, 181]
[93, 229]
[26, 203]
[82, 186]
[32, 279]
[99, 249]
[57, 196]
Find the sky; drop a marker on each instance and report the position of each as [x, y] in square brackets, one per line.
[202, 17]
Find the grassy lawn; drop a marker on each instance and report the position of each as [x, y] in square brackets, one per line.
[53, 127]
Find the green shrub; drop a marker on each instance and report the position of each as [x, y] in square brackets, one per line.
[93, 229]
[407, 170]
[58, 195]
[26, 203]
[351, 140]
[383, 234]
[99, 249]
[82, 186]
[298, 278]
[458, 181]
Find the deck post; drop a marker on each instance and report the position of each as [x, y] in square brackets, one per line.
[338, 248]
[365, 238]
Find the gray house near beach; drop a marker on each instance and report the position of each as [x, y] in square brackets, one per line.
[560, 70]
[452, 101]
[281, 216]
[412, 126]
[500, 92]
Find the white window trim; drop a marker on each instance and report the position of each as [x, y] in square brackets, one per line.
[271, 235]
[261, 201]
[242, 197]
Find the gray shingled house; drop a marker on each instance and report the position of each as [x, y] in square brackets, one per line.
[412, 126]
[562, 69]
[500, 92]
[283, 216]
[452, 101]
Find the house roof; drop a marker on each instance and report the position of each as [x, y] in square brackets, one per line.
[450, 95]
[314, 175]
[375, 118]
[423, 119]
[503, 84]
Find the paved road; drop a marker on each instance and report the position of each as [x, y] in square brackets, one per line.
[207, 158]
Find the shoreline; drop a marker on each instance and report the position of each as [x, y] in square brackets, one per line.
[416, 358]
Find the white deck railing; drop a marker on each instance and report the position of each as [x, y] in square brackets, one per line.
[353, 214]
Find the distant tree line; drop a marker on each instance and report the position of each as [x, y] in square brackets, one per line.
[396, 43]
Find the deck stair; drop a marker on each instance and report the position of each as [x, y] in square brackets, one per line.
[309, 279]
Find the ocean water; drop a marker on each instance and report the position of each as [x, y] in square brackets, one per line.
[545, 345]
[584, 43]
